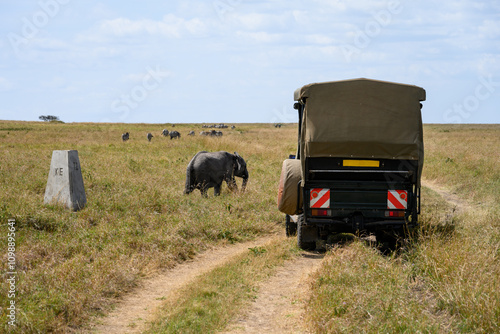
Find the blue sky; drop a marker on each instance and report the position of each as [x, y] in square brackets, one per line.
[235, 61]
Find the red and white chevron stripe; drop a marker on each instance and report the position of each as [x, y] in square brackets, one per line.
[397, 199]
[320, 198]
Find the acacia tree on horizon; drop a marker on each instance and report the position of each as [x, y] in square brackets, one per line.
[49, 118]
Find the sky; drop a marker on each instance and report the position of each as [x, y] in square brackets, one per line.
[239, 61]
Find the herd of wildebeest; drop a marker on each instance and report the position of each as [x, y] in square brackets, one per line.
[175, 134]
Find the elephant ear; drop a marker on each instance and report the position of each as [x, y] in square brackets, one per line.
[238, 165]
[236, 162]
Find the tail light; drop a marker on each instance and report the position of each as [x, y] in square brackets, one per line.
[394, 213]
[321, 212]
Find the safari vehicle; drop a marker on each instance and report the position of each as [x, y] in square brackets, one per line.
[358, 163]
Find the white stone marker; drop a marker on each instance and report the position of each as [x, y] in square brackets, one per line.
[65, 183]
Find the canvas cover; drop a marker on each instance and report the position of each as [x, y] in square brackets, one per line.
[287, 189]
[361, 118]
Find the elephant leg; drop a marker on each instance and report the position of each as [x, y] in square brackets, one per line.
[217, 189]
[233, 181]
[204, 189]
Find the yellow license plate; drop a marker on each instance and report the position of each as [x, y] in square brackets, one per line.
[361, 163]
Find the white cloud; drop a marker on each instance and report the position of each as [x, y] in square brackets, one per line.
[489, 64]
[123, 27]
[254, 21]
[146, 75]
[332, 4]
[170, 26]
[490, 29]
[319, 39]
[260, 37]
[301, 17]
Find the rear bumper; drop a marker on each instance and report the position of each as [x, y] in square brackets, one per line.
[334, 221]
[356, 224]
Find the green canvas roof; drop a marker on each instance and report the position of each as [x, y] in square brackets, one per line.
[362, 118]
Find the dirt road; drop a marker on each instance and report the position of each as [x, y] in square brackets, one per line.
[280, 297]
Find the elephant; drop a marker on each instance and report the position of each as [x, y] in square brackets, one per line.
[209, 169]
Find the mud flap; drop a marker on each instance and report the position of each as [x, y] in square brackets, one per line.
[306, 235]
[291, 226]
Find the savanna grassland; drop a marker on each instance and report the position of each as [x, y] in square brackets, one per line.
[73, 265]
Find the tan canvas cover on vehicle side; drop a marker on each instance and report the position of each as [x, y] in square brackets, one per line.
[287, 189]
[361, 118]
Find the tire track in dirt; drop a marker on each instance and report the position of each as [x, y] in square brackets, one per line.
[136, 309]
[281, 299]
[459, 204]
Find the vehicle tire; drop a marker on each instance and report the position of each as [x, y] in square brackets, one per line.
[303, 232]
[291, 227]
[387, 240]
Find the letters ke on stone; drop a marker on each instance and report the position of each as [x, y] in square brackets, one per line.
[65, 183]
